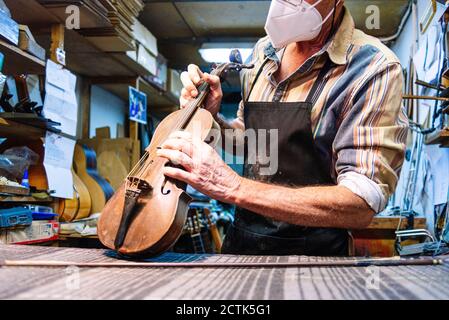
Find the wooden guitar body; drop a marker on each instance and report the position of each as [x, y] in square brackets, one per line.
[85, 165]
[159, 216]
[80, 206]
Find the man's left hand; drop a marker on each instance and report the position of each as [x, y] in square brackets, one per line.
[202, 167]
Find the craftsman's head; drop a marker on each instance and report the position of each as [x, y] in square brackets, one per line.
[300, 20]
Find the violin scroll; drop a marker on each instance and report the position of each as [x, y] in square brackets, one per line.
[236, 64]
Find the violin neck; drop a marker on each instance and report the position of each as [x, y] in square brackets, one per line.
[203, 91]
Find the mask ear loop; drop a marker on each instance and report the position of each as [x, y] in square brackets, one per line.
[328, 16]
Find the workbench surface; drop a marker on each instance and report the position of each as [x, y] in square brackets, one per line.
[400, 282]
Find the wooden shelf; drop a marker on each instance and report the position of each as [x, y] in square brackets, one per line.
[158, 101]
[85, 59]
[18, 61]
[30, 12]
[438, 137]
[64, 237]
[11, 129]
[82, 56]
[27, 199]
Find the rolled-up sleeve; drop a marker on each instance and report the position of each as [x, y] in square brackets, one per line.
[371, 140]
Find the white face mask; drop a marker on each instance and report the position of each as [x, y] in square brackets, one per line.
[294, 21]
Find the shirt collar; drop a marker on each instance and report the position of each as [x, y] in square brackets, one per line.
[337, 48]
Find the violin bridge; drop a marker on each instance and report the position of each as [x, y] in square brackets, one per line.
[138, 185]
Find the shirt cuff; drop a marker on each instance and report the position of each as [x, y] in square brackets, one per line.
[365, 188]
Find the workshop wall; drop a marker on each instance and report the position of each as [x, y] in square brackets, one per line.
[107, 110]
[431, 188]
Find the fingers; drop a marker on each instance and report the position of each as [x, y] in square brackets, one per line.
[188, 85]
[195, 74]
[179, 174]
[178, 145]
[177, 158]
[191, 79]
[183, 102]
[181, 135]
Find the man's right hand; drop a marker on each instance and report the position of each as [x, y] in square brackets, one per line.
[194, 77]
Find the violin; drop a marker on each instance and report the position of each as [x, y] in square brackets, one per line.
[147, 214]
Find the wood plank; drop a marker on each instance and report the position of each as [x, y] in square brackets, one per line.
[25, 199]
[30, 12]
[392, 223]
[13, 190]
[13, 129]
[86, 91]
[57, 51]
[18, 61]
[134, 130]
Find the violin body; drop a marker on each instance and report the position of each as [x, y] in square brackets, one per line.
[159, 216]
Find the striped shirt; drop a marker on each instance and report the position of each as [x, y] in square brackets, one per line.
[359, 123]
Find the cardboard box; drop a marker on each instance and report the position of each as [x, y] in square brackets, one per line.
[38, 232]
[145, 59]
[175, 84]
[145, 38]
[160, 78]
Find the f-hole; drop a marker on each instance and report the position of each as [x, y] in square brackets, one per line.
[163, 191]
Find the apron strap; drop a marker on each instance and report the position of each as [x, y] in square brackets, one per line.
[320, 82]
[259, 72]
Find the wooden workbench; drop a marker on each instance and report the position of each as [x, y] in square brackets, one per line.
[402, 282]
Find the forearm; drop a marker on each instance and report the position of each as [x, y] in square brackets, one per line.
[331, 207]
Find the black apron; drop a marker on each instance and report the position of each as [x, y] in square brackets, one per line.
[299, 165]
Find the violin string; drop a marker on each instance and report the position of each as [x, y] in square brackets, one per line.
[138, 165]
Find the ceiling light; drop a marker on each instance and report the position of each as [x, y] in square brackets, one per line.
[219, 52]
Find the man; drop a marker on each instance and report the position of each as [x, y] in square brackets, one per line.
[334, 93]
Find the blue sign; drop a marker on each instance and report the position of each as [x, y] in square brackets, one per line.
[137, 106]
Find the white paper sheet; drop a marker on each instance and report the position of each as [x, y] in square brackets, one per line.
[428, 58]
[439, 163]
[58, 164]
[60, 103]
